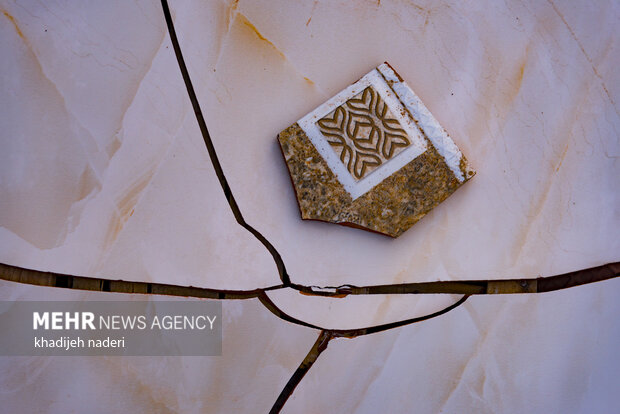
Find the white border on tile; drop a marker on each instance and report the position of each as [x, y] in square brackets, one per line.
[426, 121]
[358, 188]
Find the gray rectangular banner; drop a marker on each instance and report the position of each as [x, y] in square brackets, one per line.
[131, 328]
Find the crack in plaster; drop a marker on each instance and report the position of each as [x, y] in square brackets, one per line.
[77, 282]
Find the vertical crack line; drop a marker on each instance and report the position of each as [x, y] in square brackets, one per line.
[328, 334]
[212, 153]
[319, 346]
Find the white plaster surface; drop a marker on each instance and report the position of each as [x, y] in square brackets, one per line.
[103, 173]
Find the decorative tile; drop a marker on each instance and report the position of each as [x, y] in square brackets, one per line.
[372, 157]
[364, 133]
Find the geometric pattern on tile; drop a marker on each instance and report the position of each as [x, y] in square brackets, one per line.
[364, 133]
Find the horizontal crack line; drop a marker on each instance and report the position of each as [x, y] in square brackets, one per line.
[473, 287]
[52, 279]
[60, 280]
[466, 287]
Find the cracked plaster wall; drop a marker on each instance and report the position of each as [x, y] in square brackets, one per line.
[103, 172]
